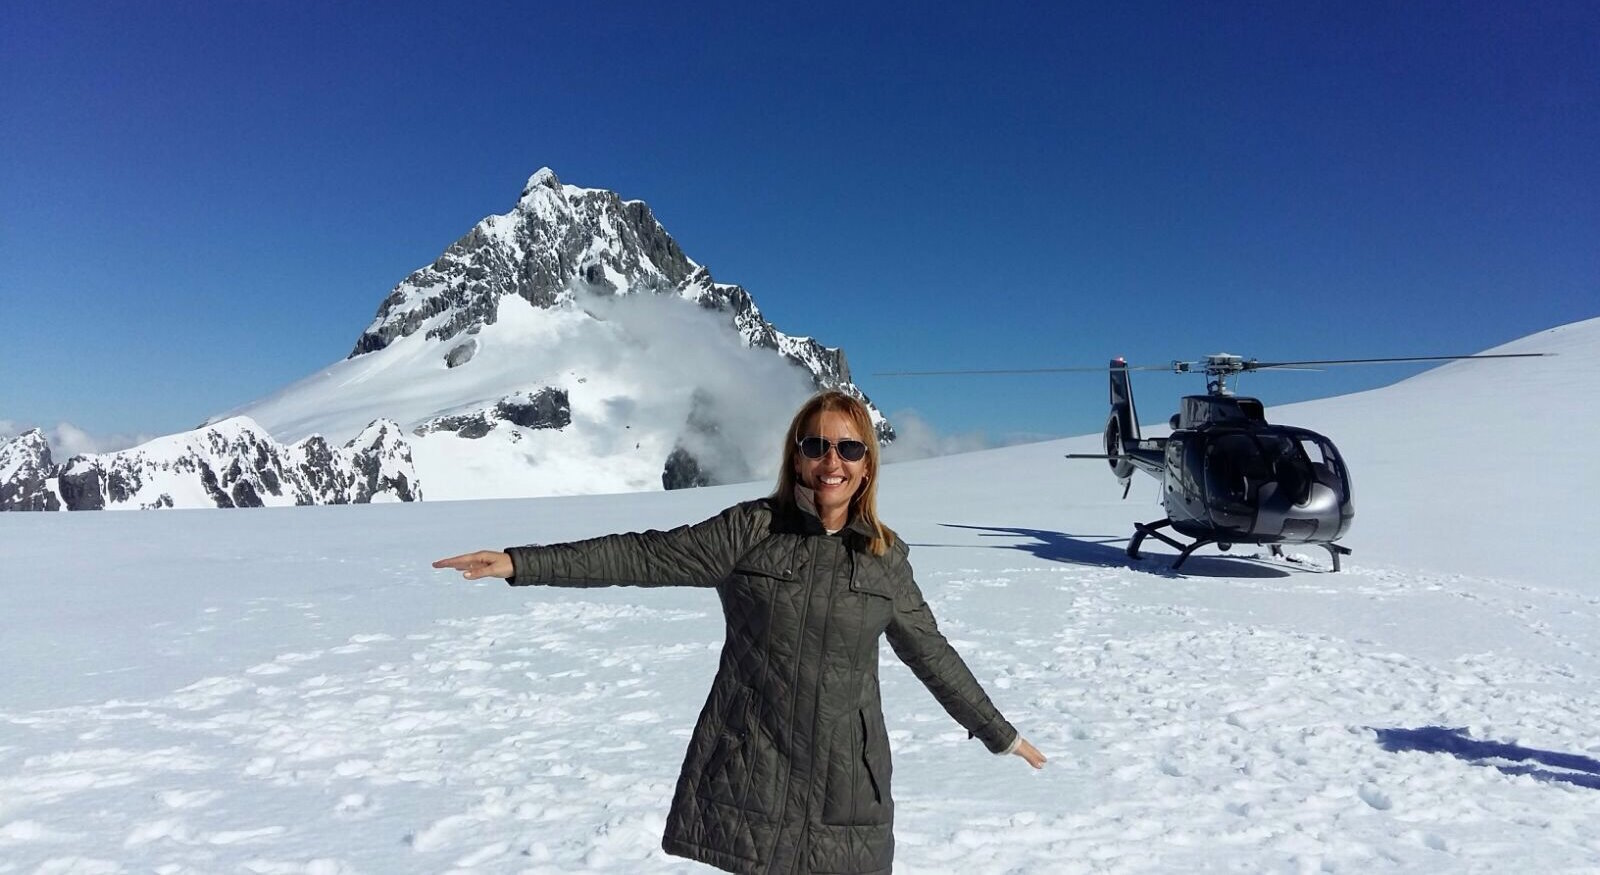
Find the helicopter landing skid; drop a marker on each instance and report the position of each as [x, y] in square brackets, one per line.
[1149, 530]
[1334, 551]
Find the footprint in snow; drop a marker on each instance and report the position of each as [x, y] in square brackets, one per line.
[1375, 797]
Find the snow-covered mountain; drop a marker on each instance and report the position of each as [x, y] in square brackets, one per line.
[27, 474]
[664, 376]
[233, 463]
[568, 346]
[295, 691]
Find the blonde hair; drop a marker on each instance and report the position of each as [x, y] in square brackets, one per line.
[864, 504]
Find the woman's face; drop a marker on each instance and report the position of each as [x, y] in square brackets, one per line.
[834, 479]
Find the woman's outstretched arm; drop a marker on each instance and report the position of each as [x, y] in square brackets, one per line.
[696, 555]
[916, 639]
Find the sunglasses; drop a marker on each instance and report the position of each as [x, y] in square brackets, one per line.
[817, 447]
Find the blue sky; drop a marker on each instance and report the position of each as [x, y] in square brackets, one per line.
[201, 202]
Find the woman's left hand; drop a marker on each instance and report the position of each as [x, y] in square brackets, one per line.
[1030, 753]
[481, 563]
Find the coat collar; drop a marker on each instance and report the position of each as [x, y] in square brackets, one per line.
[806, 505]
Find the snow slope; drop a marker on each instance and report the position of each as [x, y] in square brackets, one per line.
[578, 292]
[293, 690]
[631, 375]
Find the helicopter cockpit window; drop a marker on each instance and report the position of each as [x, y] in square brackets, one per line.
[1325, 465]
[1235, 467]
[1312, 451]
[1238, 465]
[1290, 467]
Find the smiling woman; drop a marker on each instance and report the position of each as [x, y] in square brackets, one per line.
[788, 768]
[831, 468]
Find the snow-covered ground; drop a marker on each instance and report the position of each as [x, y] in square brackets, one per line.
[294, 690]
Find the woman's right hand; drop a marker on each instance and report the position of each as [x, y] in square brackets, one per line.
[481, 563]
[1030, 753]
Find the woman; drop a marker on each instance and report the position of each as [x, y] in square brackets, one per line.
[788, 768]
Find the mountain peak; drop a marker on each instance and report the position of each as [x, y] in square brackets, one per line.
[544, 177]
[25, 473]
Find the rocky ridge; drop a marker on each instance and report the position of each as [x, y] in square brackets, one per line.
[233, 463]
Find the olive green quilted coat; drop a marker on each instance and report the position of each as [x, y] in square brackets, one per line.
[788, 768]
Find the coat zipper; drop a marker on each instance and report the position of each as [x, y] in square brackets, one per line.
[816, 710]
[788, 778]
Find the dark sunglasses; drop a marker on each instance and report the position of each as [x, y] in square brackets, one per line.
[817, 447]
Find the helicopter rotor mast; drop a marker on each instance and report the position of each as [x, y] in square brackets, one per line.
[1218, 368]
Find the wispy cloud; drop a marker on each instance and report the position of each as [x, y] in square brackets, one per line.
[67, 440]
[682, 364]
[917, 438]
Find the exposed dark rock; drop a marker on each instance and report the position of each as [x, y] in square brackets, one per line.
[546, 408]
[683, 471]
[208, 479]
[244, 495]
[121, 484]
[469, 425]
[461, 353]
[82, 489]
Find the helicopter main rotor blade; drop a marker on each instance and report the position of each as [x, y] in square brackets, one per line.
[1256, 366]
[984, 372]
[1200, 366]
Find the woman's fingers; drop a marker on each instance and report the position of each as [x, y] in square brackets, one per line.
[462, 562]
[480, 563]
[1031, 754]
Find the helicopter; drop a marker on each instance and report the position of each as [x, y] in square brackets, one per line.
[1227, 475]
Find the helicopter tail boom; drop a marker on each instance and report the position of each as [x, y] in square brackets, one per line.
[1125, 448]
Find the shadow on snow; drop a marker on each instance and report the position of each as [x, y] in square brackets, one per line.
[1582, 771]
[1098, 550]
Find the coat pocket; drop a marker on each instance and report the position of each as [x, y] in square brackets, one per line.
[773, 568]
[857, 792]
[733, 773]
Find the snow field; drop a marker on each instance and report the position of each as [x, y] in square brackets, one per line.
[1182, 735]
[294, 691]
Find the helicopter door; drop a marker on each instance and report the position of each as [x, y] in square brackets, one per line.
[1234, 471]
[1181, 489]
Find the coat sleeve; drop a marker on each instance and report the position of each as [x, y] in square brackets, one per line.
[695, 555]
[916, 639]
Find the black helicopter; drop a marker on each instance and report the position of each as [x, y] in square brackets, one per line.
[1227, 475]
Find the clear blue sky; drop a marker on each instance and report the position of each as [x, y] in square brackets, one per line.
[201, 202]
